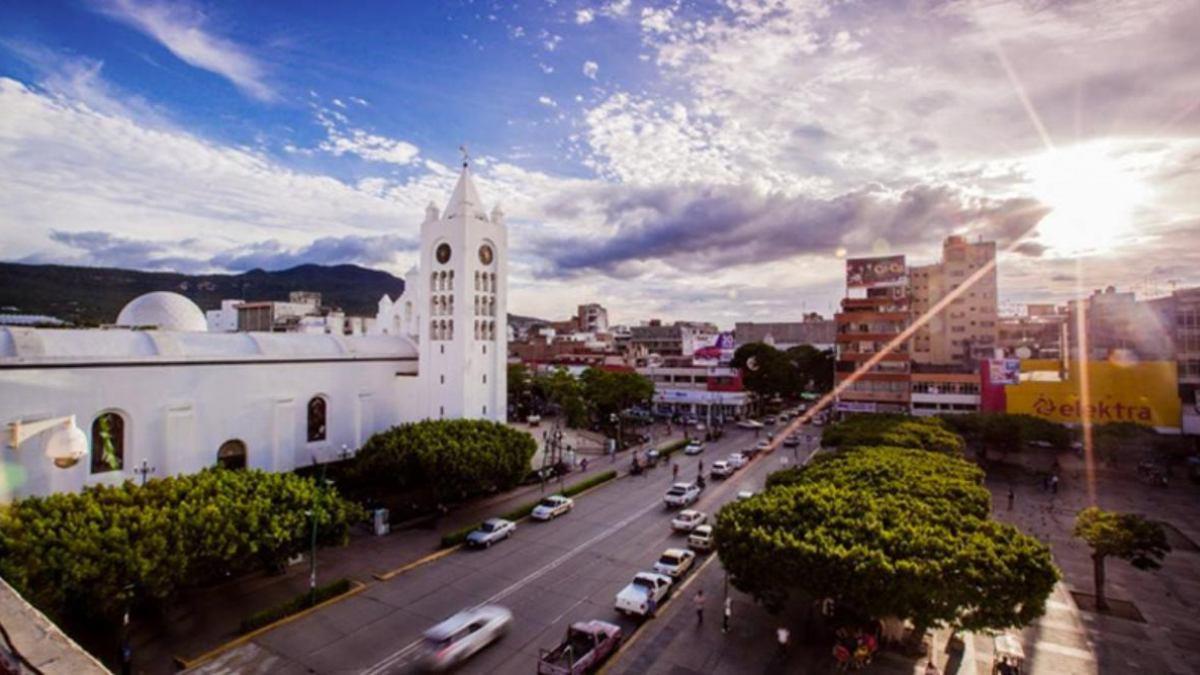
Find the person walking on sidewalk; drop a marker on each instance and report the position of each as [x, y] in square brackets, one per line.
[674, 470]
[698, 602]
[781, 635]
[728, 612]
[1054, 484]
[1011, 497]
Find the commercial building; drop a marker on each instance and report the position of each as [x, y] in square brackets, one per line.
[875, 311]
[681, 338]
[707, 392]
[814, 330]
[964, 331]
[943, 393]
[1036, 334]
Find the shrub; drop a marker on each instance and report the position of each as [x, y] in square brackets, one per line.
[672, 447]
[901, 431]
[297, 604]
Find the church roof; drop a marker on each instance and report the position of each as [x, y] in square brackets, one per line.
[465, 202]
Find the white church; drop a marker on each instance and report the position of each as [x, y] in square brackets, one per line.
[159, 395]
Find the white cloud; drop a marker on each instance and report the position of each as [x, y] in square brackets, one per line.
[618, 7]
[657, 20]
[360, 101]
[547, 101]
[181, 29]
[546, 68]
[584, 16]
[590, 68]
[338, 102]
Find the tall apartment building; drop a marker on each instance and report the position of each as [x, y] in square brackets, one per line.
[966, 330]
[681, 338]
[875, 311]
[591, 318]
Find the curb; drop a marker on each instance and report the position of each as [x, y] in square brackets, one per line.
[356, 587]
[436, 555]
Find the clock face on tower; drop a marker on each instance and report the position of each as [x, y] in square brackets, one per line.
[485, 254]
[443, 253]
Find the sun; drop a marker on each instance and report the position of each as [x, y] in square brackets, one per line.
[1092, 199]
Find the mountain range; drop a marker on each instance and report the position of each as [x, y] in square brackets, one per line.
[91, 296]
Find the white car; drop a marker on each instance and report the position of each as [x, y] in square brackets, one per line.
[745, 494]
[737, 460]
[701, 538]
[636, 598]
[682, 494]
[762, 445]
[694, 448]
[687, 520]
[750, 424]
[456, 639]
[551, 507]
[721, 469]
[675, 562]
[491, 531]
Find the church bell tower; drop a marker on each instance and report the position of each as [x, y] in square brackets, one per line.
[464, 331]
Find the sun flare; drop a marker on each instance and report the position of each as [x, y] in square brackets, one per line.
[1092, 198]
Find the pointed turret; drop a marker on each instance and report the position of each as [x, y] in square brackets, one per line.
[465, 202]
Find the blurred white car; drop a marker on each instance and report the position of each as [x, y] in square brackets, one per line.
[701, 538]
[721, 469]
[551, 507]
[750, 424]
[646, 586]
[737, 460]
[675, 562]
[694, 448]
[491, 531]
[687, 520]
[745, 494]
[682, 494]
[762, 445]
[456, 639]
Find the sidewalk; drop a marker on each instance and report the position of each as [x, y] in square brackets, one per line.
[201, 619]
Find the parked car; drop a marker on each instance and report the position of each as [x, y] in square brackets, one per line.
[701, 538]
[750, 424]
[737, 460]
[491, 531]
[551, 507]
[675, 562]
[682, 494]
[721, 469]
[791, 441]
[458, 638]
[745, 494]
[769, 419]
[762, 445]
[646, 586]
[533, 420]
[693, 448]
[687, 520]
[586, 646]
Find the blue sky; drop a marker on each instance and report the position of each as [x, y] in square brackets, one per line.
[672, 159]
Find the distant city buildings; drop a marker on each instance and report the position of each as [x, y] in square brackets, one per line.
[301, 313]
[875, 311]
[681, 338]
[964, 331]
[814, 330]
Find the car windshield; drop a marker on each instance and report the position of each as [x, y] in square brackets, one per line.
[550, 501]
[676, 491]
[643, 583]
[490, 526]
[669, 560]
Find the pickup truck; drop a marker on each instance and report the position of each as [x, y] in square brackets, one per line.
[636, 598]
[587, 644]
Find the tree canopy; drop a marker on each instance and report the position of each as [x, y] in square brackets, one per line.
[454, 459]
[613, 392]
[925, 433]
[82, 552]
[814, 368]
[1008, 432]
[1128, 536]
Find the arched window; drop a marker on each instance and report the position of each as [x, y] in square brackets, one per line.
[477, 305]
[232, 455]
[476, 330]
[477, 281]
[486, 282]
[432, 330]
[316, 419]
[450, 281]
[433, 281]
[108, 442]
[450, 328]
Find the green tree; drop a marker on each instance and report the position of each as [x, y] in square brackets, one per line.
[520, 389]
[1130, 537]
[451, 459]
[609, 392]
[925, 433]
[563, 390]
[813, 367]
[766, 371]
[82, 553]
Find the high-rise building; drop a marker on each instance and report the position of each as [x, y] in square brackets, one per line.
[965, 330]
[875, 311]
[591, 318]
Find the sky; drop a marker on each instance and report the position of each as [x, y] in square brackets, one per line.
[681, 160]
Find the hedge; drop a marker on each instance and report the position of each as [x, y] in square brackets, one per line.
[672, 447]
[460, 535]
[297, 604]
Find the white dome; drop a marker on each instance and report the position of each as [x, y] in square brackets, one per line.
[164, 311]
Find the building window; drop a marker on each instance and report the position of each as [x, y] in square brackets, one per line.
[108, 442]
[485, 410]
[441, 411]
[232, 455]
[443, 379]
[316, 419]
[485, 378]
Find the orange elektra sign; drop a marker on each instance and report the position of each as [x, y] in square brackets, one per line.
[1143, 393]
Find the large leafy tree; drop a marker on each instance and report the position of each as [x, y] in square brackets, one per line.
[926, 433]
[87, 553]
[614, 392]
[885, 535]
[452, 459]
[1003, 432]
[813, 368]
[1130, 537]
[520, 389]
[563, 390]
[766, 371]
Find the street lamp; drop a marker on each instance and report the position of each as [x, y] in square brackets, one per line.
[66, 445]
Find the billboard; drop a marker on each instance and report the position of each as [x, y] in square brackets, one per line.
[1143, 393]
[874, 272]
[719, 353]
[1004, 371]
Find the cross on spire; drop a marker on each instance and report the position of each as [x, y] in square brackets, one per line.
[465, 155]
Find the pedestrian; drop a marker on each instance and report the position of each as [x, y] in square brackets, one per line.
[1011, 497]
[674, 470]
[700, 468]
[583, 464]
[1054, 484]
[781, 635]
[698, 601]
[727, 614]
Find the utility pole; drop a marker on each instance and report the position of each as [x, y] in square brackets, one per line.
[312, 556]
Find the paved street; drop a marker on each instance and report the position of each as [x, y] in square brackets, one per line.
[548, 574]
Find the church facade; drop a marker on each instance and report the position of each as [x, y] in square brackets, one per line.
[158, 395]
